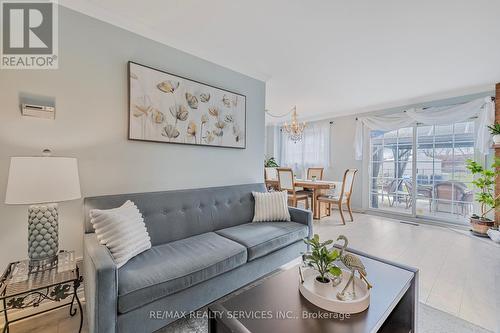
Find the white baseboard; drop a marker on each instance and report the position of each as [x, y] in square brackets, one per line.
[419, 220]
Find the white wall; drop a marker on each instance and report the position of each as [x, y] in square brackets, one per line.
[90, 89]
[271, 144]
[342, 156]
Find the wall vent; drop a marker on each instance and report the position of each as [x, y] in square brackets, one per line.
[38, 111]
[410, 223]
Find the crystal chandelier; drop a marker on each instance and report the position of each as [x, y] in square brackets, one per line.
[295, 129]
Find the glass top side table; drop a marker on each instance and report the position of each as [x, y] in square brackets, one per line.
[22, 287]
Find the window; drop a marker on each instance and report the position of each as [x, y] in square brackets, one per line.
[312, 151]
[391, 169]
[442, 178]
[430, 180]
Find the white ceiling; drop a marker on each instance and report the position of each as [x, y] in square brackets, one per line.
[329, 57]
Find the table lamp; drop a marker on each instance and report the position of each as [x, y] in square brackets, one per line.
[41, 182]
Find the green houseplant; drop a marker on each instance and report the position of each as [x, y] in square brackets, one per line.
[495, 131]
[485, 194]
[270, 163]
[322, 259]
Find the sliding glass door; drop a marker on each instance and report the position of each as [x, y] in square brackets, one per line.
[391, 170]
[444, 188]
[420, 171]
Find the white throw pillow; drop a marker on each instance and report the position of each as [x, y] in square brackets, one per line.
[271, 206]
[122, 230]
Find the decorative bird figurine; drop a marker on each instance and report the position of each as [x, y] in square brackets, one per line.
[353, 263]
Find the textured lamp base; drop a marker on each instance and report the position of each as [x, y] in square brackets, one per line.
[43, 237]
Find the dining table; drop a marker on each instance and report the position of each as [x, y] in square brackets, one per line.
[317, 187]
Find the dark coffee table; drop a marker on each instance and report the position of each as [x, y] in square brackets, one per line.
[276, 305]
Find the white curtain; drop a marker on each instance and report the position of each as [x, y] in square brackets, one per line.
[483, 108]
[312, 151]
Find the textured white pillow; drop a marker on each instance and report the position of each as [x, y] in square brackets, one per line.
[271, 206]
[122, 230]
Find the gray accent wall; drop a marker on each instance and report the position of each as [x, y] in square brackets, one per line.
[90, 92]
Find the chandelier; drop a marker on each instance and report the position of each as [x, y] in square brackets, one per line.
[294, 129]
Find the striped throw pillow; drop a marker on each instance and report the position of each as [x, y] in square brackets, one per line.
[271, 206]
[122, 230]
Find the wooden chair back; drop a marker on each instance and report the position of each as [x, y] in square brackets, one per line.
[286, 180]
[270, 174]
[347, 183]
[318, 172]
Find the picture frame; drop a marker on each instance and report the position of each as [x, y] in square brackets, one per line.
[169, 108]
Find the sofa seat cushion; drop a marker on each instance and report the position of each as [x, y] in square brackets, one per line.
[168, 268]
[261, 238]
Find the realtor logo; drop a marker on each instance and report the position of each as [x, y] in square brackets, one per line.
[29, 34]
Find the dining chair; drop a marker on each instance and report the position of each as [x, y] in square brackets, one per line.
[317, 172]
[270, 173]
[446, 192]
[344, 198]
[424, 192]
[286, 182]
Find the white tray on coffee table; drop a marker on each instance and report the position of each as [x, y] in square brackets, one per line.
[325, 295]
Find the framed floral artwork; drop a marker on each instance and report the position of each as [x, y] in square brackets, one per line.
[164, 107]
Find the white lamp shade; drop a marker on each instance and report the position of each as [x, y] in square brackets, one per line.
[34, 180]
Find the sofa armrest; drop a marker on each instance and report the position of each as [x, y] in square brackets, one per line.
[101, 286]
[302, 216]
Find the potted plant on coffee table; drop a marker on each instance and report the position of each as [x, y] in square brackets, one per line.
[322, 260]
[485, 194]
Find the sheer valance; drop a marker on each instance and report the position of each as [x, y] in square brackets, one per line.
[483, 108]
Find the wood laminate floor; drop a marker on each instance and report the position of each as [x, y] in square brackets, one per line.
[457, 271]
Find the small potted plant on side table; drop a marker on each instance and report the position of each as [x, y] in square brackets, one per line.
[322, 260]
[495, 131]
[485, 195]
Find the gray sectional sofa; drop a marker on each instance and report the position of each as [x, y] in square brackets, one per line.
[204, 247]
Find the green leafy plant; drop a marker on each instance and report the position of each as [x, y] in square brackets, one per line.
[322, 259]
[271, 163]
[485, 185]
[494, 129]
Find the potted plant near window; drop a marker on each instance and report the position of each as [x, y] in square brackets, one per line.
[485, 194]
[495, 131]
[271, 163]
[322, 260]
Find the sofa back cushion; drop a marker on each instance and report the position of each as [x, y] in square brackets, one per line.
[178, 214]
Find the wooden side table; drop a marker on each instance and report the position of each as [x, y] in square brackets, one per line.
[22, 287]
